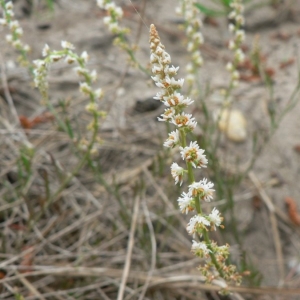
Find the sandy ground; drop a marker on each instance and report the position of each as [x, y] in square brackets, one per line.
[278, 31]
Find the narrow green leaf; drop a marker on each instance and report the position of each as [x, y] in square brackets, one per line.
[227, 2]
[210, 12]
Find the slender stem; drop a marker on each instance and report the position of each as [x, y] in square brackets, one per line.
[211, 254]
[191, 177]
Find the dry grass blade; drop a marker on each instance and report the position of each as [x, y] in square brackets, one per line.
[153, 250]
[30, 287]
[169, 281]
[274, 225]
[129, 248]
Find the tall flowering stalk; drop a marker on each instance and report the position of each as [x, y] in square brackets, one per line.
[237, 20]
[198, 191]
[192, 26]
[87, 77]
[16, 31]
[87, 145]
[114, 15]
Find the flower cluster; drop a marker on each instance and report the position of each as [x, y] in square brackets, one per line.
[16, 31]
[193, 25]
[237, 21]
[115, 13]
[87, 77]
[198, 191]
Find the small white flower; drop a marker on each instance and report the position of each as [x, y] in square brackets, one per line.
[171, 71]
[239, 55]
[118, 12]
[235, 75]
[167, 115]
[9, 5]
[110, 6]
[189, 30]
[177, 173]
[240, 34]
[229, 67]
[3, 22]
[172, 140]
[222, 250]
[240, 20]
[85, 56]
[55, 57]
[196, 224]
[70, 59]
[13, 25]
[194, 155]
[46, 50]
[17, 44]
[235, 83]
[156, 69]
[93, 75]
[178, 10]
[190, 78]
[198, 37]
[81, 71]
[159, 51]
[170, 82]
[67, 45]
[178, 84]
[101, 3]
[114, 27]
[39, 63]
[98, 93]
[91, 107]
[232, 15]
[159, 96]
[231, 45]
[231, 27]
[184, 120]
[203, 189]
[26, 48]
[154, 58]
[85, 88]
[200, 248]
[107, 20]
[189, 68]
[157, 78]
[197, 58]
[190, 46]
[177, 99]
[186, 203]
[9, 12]
[9, 38]
[215, 218]
[19, 31]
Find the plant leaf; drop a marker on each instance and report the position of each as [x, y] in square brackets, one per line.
[210, 12]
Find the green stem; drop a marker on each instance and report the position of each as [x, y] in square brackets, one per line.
[79, 166]
[130, 52]
[191, 177]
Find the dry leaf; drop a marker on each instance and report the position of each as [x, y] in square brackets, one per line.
[297, 148]
[256, 202]
[27, 260]
[287, 63]
[43, 118]
[292, 210]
